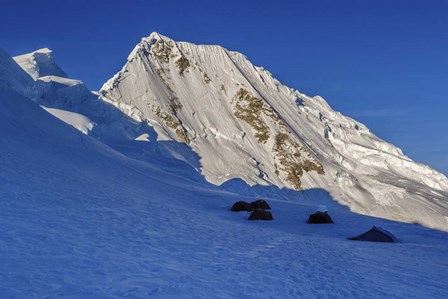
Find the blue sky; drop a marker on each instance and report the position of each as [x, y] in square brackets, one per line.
[384, 63]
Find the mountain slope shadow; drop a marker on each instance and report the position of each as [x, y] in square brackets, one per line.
[291, 210]
[135, 139]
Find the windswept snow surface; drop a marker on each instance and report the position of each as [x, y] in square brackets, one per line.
[14, 77]
[80, 220]
[243, 123]
[78, 121]
[59, 92]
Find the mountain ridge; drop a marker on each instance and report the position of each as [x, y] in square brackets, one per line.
[178, 87]
[208, 102]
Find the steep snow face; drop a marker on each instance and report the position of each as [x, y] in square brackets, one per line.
[14, 77]
[60, 92]
[40, 63]
[219, 108]
[244, 123]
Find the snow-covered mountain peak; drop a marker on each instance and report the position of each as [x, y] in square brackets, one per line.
[157, 36]
[45, 51]
[50, 86]
[147, 42]
[243, 123]
[40, 63]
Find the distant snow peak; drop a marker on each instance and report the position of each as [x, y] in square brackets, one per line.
[43, 51]
[40, 63]
[156, 36]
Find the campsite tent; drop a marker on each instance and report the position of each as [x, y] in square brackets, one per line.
[241, 206]
[319, 218]
[260, 214]
[376, 234]
[260, 204]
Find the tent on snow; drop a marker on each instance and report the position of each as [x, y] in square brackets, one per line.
[260, 214]
[241, 206]
[249, 207]
[319, 218]
[376, 234]
[260, 204]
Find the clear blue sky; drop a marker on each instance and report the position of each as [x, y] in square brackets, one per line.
[383, 62]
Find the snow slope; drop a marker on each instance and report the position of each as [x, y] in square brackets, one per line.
[72, 102]
[76, 120]
[80, 220]
[243, 123]
[14, 77]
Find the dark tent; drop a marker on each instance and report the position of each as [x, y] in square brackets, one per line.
[241, 206]
[260, 204]
[260, 214]
[319, 218]
[376, 234]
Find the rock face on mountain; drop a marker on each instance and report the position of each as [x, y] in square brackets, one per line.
[243, 123]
